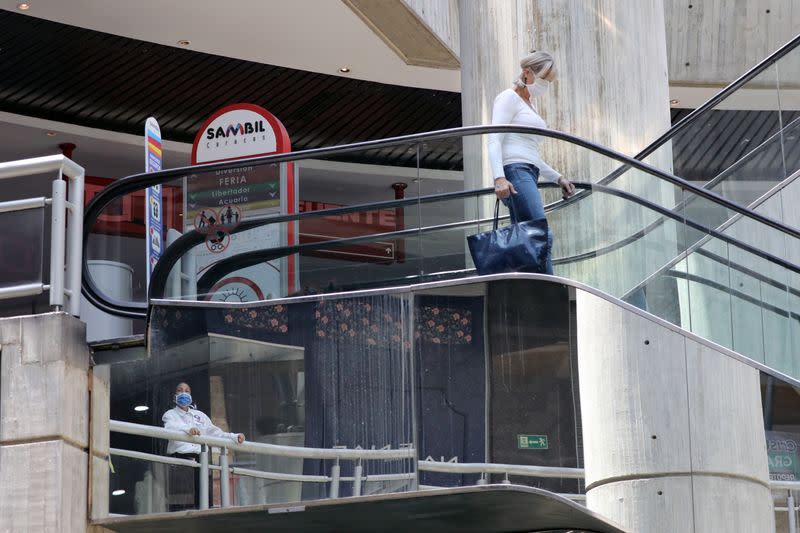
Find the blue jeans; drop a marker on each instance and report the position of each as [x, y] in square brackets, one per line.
[527, 203]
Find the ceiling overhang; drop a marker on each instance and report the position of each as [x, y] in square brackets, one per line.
[404, 32]
[311, 35]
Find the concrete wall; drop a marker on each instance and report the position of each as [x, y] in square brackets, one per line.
[441, 16]
[672, 427]
[709, 42]
[45, 425]
[714, 41]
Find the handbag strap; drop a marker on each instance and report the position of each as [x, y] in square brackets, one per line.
[496, 214]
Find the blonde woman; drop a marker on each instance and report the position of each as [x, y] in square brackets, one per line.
[514, 157]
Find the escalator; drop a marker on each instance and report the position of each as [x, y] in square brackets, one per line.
[697, 253]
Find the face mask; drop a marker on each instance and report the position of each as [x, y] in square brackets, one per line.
[538, 87]
[183, 399]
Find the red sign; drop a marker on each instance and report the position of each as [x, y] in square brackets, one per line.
[321, 229]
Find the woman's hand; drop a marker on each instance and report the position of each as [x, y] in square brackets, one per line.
[567, 187]
[503, 188]
[193, 431]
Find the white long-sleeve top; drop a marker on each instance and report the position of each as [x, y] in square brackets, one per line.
[177, 419]
[507, 148]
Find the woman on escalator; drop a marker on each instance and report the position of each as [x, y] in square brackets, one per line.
[514, 157]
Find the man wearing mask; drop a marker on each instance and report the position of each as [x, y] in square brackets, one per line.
[192, 422]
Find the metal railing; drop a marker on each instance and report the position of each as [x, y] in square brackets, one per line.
[358, 479]
[66, 237]
[338, 454]
[787, 488]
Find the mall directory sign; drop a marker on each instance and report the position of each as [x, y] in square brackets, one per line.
[216, 202]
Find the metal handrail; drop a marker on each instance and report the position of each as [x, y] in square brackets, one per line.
[483, 469]
[246, 259]
[498, 468]
[136, 182]
[358, 478]
[66, 233]
[261, 448]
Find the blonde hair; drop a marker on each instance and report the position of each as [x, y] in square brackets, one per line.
[541, 63]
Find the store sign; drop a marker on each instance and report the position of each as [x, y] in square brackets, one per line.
[321, 229]
[782, 455]
[218, 201]
[154, 217]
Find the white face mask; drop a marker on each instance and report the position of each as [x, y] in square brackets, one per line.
[538, 87]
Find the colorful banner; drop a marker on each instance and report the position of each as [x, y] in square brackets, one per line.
[154, 217]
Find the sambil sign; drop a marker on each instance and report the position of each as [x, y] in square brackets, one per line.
[220, 200]
[239, 131]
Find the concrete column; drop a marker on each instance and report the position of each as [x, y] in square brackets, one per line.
[488, 55]
[672, 428]
[612, 89]
[100, 405]
[44, 424]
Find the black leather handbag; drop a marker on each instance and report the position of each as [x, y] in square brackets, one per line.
[524, 246]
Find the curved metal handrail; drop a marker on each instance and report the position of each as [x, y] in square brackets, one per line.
[141, 181]
[246, 259]
[693, 116]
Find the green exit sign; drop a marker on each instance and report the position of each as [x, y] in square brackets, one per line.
[532, 442]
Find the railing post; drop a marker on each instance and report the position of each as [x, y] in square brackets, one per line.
[482, 480]
[790, 509]
[357, 479]
[224, 478]
[58, 230]
[203, 476]
[75, 243]
[335, 473]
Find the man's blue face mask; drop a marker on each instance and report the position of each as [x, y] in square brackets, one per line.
[183, 399]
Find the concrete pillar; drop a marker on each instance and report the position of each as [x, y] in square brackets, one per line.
[612, 63]
[488, 55]
[672, 428]
[100, 405]
[44, 424]
[612, 89]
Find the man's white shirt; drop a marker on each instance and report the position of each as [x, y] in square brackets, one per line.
[177, 419]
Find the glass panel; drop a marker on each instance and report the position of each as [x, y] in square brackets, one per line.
[21, 262]
[534, 396]
[439, 370]
[709, 289]
[730, 133]
[116, 250]
[450, 379]
[791, 133]
[781, 407]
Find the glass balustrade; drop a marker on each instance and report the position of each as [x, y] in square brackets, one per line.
[655, 243]
[479, 379]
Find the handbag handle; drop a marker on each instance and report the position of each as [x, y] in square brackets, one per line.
[496, 214]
